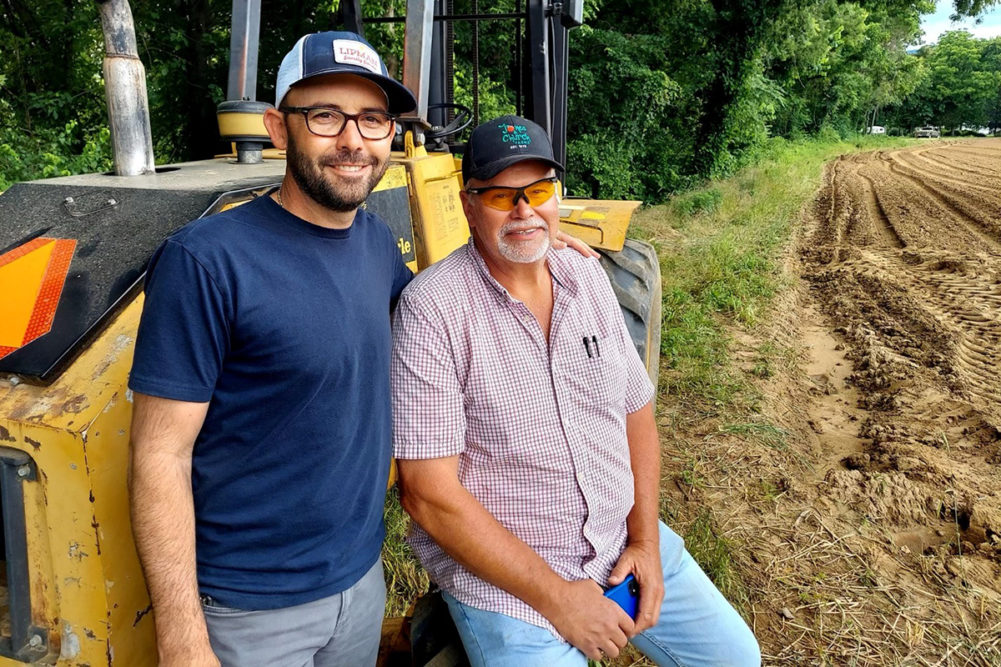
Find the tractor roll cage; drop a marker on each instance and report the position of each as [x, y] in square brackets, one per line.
[541, 31]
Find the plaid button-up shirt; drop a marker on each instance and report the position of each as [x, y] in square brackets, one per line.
[539, 427]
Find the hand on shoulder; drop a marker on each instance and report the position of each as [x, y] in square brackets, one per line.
[564, 240]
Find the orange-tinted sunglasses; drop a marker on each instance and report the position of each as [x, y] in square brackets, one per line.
[504, 198]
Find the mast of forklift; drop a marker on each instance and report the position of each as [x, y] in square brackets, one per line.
[425, 52]
[125, 89]
[241, 91]
[543, 58]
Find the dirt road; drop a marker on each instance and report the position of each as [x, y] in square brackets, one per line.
[874, 536]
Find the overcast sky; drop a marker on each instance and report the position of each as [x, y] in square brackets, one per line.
[937, 23]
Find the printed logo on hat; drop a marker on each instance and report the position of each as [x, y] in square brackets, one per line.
[350, 52]
[515, 134]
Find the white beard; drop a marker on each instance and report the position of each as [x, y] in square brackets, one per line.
[522, 253]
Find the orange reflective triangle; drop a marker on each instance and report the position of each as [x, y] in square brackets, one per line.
[31, 281]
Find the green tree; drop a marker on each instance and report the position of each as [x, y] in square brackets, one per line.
[618, 105]
[52, 113]
[962, 82]
[840, 63]
[992, 63]
[662, 92]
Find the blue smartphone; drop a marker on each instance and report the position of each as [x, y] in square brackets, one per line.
[626, 595]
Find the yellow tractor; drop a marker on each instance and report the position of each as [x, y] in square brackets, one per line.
[73, 252]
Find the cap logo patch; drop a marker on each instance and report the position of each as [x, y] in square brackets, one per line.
[515, 134]
[350, 52]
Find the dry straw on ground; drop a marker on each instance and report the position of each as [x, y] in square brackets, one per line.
[859, 488]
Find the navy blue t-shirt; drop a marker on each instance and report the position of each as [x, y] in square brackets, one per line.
[283, 327]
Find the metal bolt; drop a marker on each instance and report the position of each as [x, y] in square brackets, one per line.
[35, 641]
[24, 471]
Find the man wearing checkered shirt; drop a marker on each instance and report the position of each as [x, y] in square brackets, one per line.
[528, 452]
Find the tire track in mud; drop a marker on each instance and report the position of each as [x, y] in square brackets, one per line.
[932, 254]
[851, 210]
[954, 163]
[977, 220]
[904, 264]
[965, 306]
[884, 230]
[928, 170]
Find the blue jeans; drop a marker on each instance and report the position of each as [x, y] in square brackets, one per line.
[697, 626]
[341, 630]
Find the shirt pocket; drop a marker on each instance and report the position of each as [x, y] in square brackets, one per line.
[596, 369]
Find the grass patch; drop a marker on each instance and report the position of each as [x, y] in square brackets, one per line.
[702, 201]
[691, 472]
[406, 580]
[766, 434]
[719, 247]
[713, 553]
[772, 491]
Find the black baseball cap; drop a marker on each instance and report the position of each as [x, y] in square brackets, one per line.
[336, 53]
[499, 143]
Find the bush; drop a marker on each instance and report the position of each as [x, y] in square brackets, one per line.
[829, 134]
[704, 201]
[617, 143]
[50, 152]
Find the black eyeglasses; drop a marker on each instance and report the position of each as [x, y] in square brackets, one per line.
[329, 122]
[505, 198]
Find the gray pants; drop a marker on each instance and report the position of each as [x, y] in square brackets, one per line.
[340, 630]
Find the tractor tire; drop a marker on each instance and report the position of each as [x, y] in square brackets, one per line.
[634, 273]
[434, 640]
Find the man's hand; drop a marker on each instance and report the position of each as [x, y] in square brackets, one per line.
[643, 560]
[455, 519]
[564, 240]
[590, 621]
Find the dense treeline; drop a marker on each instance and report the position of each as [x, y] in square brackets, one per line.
[662, 93]
[960, 85]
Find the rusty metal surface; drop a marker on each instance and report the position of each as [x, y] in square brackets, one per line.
[87, 589]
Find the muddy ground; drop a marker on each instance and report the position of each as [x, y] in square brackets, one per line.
[864, 506]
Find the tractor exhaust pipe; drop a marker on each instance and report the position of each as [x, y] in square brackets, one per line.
[125, 88]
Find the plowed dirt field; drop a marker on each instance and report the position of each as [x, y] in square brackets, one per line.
[872, 534]
[903, 258]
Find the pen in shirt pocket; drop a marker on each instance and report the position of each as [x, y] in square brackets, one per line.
[589, 344]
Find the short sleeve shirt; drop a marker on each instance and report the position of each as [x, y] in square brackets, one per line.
[539, 427]
[283, 327]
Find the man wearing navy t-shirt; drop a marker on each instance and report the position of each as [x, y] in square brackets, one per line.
[261, 427]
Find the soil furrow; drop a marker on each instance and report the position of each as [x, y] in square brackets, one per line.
[905, 288]
[913, 161]
[976, 224]
[952, 158]
[980, 210]
[880, 221]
